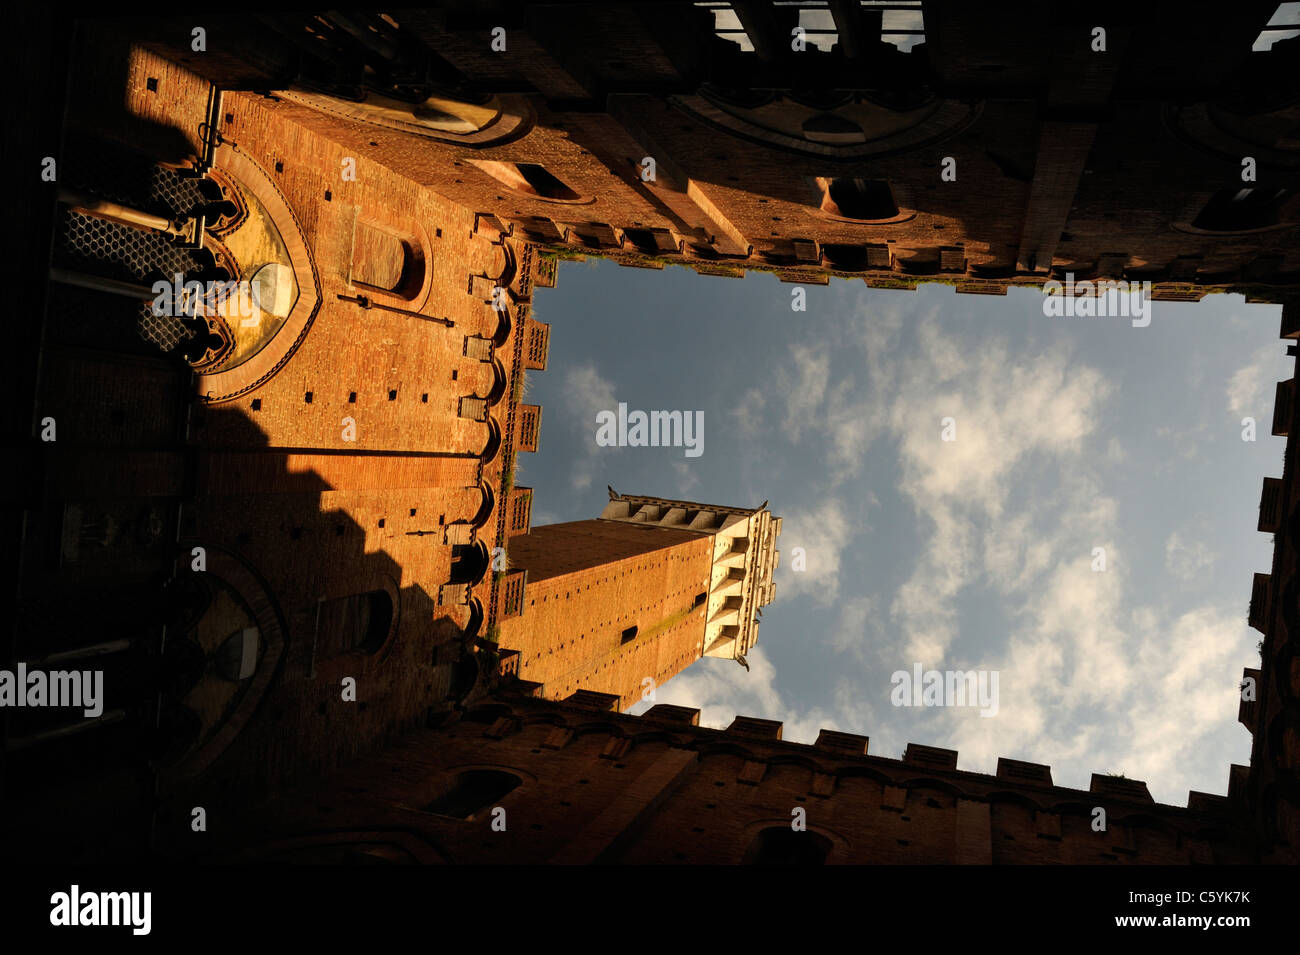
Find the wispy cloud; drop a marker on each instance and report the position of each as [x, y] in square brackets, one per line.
[1093, 677]
[749, 412]
[586, 393]
[1014, 417]
[687, 479]
[1092, 683]
[1249, 390]
[801, 384]
[823, 535]
[1187, 559]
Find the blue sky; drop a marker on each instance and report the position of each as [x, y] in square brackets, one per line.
[976, 553]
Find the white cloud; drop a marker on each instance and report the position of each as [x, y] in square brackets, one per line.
[825, 532]
[586, 393]
[1186, 559]
[749, 412]
[1091, 685]
[1250, 388]
[850, 426]
[1092, 678]
[687, 479]
[802, 386]
[1016, 418]
[859, 625]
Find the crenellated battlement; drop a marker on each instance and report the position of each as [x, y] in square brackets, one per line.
[578, 782]
[835, 755]
[1268, 703]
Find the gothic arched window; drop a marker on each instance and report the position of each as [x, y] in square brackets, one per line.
[1239, 210]
[471, 791]
[356, 622]
[863, 199]
[783, 846]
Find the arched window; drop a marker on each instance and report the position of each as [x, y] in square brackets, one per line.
[385, 261]
[847, 258]
[781, 845]
[864, 199]
[543, 183]
[471, 791]
[531, 178]
[469, 562]
[236, 658]
[832, 129]
[356, 622]
[1238, 210]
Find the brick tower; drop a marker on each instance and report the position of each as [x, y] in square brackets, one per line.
[637, 594]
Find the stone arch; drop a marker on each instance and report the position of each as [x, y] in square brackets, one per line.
[792, 759]
[467, 674]
[509, 266]
[484, 512]
[1020, 799]
[493, 443]
[501, 333]
[795, 775]
[610, 728]
[938, 785]
[708, 750]
[499, 381]
[476, 617]
[864, 772]
[469, 562]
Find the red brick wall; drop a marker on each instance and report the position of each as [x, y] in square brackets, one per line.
[676, 794]
[588, 582]
[273, 483]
